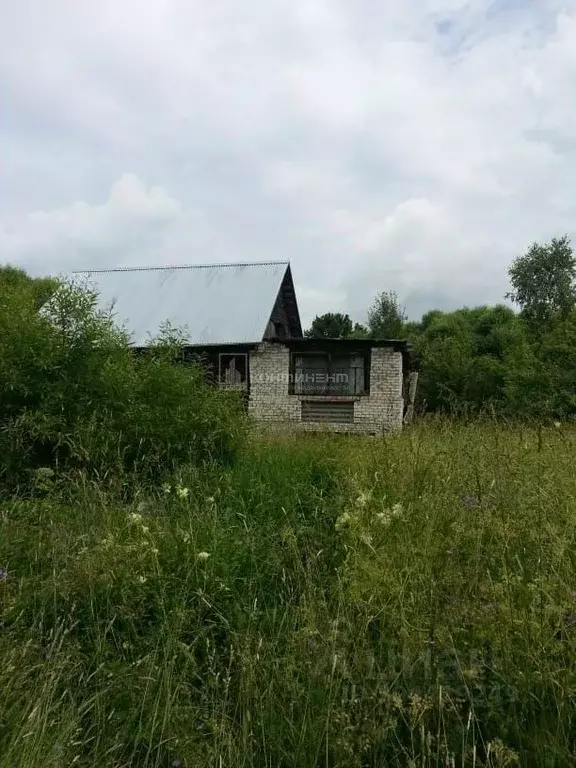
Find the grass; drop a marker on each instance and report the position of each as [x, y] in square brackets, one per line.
[324, 602]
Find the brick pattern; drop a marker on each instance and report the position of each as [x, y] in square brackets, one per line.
[270, 403]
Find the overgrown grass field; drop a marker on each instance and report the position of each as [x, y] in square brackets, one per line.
[329, 601]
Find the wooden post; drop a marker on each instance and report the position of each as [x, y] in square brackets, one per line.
[412, 384]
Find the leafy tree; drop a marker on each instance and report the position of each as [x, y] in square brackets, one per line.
[386, 317]
[360, 332]
[544, 281]
[468, 356]
[330, 326]
[74, 395]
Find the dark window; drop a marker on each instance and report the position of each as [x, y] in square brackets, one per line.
[232, 369]
[279, 330]
[330, 374]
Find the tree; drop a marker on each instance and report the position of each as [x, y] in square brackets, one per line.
[330, 326]
[476, 358]
[386, 317]
[360, 332]
[544, 281]
[74, 395]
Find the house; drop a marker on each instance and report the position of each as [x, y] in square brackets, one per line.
[243, 320]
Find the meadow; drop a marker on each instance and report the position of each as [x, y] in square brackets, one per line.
[318, 601]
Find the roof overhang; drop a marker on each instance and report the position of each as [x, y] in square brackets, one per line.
[327, 345]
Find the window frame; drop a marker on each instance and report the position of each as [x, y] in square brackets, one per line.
[365, 355]
[221, 379]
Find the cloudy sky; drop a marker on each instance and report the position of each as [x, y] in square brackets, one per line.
[414, 145]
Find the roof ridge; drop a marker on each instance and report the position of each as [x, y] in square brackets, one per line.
[182, 266]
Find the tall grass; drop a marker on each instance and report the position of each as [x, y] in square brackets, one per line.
[322, 602]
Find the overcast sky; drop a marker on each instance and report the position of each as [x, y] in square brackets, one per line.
[413, 145]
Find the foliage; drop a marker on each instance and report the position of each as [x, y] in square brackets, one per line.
[490, 358]
[334, 602]
[330, 326]
[544, 281]
[74, 394]
[386, 317]
[486, 358]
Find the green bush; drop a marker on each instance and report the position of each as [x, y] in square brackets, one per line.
[74, 395]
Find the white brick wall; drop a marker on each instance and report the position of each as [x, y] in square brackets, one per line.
[380, 411]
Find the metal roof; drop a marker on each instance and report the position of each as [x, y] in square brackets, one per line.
[212, 303]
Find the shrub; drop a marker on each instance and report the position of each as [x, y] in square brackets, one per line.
[73, 394]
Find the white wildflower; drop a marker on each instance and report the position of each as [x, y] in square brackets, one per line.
[202, 556]
[364, 498]
[366, 539]
[557, 424]
[142, 579]
[182, 493]
[343, 521]
[154, 551]
[397, 510]
[167, 488]
[135, 517]
[145, 529]
[384, 517]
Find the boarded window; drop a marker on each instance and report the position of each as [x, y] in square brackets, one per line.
[331, 413]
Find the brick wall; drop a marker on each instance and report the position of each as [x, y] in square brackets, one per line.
[270, 403]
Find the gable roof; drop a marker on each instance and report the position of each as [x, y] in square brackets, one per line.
[213, 303]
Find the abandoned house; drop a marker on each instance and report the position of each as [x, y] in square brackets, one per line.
[243, 321]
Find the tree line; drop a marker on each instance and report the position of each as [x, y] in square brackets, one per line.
[514, 361]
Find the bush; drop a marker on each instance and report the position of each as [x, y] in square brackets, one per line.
[74, 395]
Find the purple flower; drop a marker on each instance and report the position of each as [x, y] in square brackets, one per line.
[469, 500]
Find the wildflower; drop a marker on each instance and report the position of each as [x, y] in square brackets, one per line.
[142, 579]
[469, 500]
[135, 517]
[397, 510]
[210, 500]
[3, 574]
[177, 763]
[166, 488]
[182, 492]
[386, 517]
[366, 539]
[145, 529]
[154, 551]
[202, 556]
[364, 498]
[343, 521]
[557, 424]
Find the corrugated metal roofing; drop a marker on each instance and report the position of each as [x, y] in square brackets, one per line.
[213, 303]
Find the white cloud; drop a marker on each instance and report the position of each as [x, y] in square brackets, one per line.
[417, 145]
[109, 233]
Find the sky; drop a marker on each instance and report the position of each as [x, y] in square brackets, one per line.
[408, 145]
